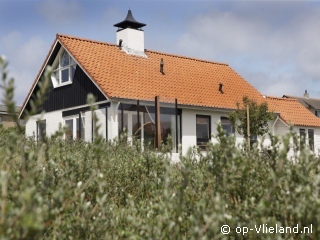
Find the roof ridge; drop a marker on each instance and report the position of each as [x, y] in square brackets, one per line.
[280, 98]
[146, 50]
[85, 39]
[301, 97]
[185, 57]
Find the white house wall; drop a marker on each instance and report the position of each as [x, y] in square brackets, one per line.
[188, 126]
[53, 119]
[52, 123]
[113, 121]
[189, 135]
[317, 141]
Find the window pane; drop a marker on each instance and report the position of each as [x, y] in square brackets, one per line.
[203, 130]
[311, 139]
[57, 75]
[203, 127]
[65, 75]
[149, 129]
[72, 72]
[302, 133]
[168, 129]
[78, 129]
[136, 130]
[69, 132]
[72, 61]
[41, 130]
[125, 122]
[227, 126]
[65, 59]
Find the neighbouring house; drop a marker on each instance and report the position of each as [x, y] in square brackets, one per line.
[151, 96]
[6, 120]
[293, 113]
[312, 104]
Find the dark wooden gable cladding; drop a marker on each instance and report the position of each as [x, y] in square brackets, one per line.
[68, 96]
[72, 95]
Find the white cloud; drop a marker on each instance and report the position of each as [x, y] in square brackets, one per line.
[277, 55]
[25, 58]
[60, 12]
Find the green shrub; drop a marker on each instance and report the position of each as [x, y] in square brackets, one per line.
[59, 189]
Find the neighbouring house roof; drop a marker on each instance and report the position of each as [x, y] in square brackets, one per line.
[307, 102]
[292, 112]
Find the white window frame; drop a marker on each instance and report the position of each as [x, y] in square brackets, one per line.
[58, 68]
[74, 125]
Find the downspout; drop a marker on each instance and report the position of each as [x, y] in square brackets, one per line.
[274, 124]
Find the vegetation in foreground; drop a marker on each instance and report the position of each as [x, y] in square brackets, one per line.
[59, 189]
[75, 190]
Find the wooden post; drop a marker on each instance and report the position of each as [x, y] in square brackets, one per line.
[80, 132]
[176, 112]
[138, 119]
[248, 127]
[158, 125]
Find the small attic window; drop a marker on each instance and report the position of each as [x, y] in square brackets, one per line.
[64, 68]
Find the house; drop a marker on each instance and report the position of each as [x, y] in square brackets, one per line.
[6, 120]
[152, 96]
[293, 113]
[312, 104]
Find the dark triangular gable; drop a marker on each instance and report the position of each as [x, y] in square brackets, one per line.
[67, 96]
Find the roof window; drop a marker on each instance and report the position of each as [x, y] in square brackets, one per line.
[64, 68]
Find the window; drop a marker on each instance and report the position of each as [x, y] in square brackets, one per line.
[227, 126]
[69, 132]
[75, 128]
[144, 129]
[317, 113]
[307, 139]
[302, 133]
[203, 128]
[80, 128]
[41, 129]
[311, 139]
[64, 68]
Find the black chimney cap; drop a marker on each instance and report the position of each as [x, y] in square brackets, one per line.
[129, 22]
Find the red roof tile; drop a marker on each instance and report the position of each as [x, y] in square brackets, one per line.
[191, 81]
[292, 112]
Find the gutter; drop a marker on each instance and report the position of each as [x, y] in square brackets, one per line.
[273, 125]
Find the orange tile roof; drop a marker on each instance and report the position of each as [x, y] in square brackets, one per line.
[292, 112]
[191, 81]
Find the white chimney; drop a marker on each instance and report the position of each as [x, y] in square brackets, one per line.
[130, 36]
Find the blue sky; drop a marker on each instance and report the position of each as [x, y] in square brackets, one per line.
[274, 45]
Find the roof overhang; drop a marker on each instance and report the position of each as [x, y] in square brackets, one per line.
[170, 104]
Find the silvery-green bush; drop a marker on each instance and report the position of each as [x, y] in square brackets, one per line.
[58, 189]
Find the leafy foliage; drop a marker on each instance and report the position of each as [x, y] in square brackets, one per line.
[58, 189]
[258, 118]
